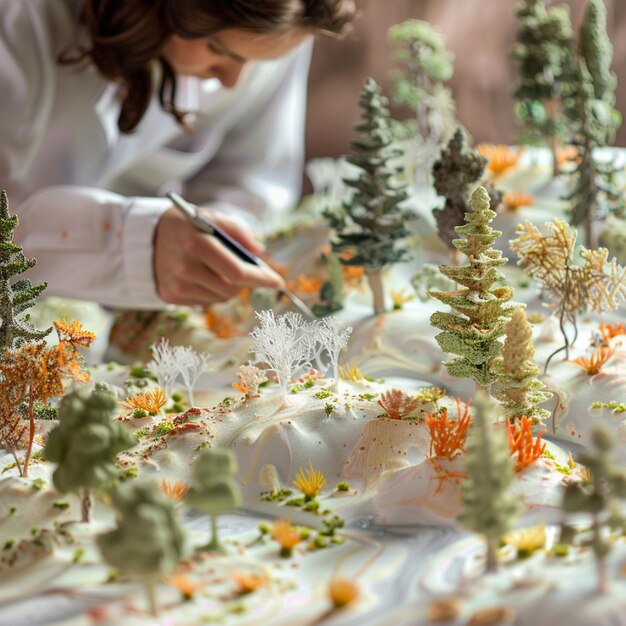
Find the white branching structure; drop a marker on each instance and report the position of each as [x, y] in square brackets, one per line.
[333, 335]
[286, 343]
[190, 365]
[162, 365]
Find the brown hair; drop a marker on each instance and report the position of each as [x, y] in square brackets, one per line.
[127, 38]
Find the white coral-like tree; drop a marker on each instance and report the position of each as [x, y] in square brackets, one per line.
[333, 336]
[190, 365]
[163, 365]
[287, 343]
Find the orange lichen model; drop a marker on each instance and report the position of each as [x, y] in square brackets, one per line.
[609, 331]
[516, 200]
[500, 158]
[523, 446]
[150, 401]
[174, 491]
[220, 325]
[447, 437]
[594, 363]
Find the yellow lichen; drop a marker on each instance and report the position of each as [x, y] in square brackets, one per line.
[309, 482]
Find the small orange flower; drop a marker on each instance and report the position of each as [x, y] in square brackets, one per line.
[183, 584]
[352, 273]
[517, 200]
[593, 364]
[310, 483]
[500, 157]
[308, 284]
[150, 401]
[248, 583]
[174, 491]
[74, 333]
[342, 592]
[220, 325]
[286, 535]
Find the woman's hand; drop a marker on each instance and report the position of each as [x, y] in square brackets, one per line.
[193, 268]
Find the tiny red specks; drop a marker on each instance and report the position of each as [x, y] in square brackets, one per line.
[64, 234]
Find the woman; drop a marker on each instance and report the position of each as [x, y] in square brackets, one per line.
[105, 105]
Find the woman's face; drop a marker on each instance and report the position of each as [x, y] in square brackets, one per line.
[225, 54]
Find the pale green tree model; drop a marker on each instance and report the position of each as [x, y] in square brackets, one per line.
[15, 295]
[544, 51]
[596, 120]
[518, 386]
[86, 442]
[489, 504]
[213, 489]
[149, 540]
[331, 292]
[372, 220]
[600, 497]
[482, 311]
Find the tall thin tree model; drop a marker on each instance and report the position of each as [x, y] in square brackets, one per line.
[547, 72]
[489, 505]
[17, 296]
[372, 220]
[595, 121]
[482, 311]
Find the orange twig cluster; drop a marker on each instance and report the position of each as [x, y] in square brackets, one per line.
[447, 437]
[150, 401]
[522, 445]
[594, 363]
[220, 325]
[397, 404]
[609, 331]
[174, 491]
[499, 157]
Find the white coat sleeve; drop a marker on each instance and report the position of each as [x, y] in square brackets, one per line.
[89, 243]
[260, 163]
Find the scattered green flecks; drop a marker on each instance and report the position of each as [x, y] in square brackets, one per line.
[322, 394]
[38, 483]
[62, 505]
[611, 406]
[299, 502]
[560, 550]
[343, 486]
[140, 433]
[129, 473]
[277, 496]
[162, 428]
[8, 544]
[328, 409]
[310, 382]
[79, 553]
[13, 510]
[297, 388]
[369, 396]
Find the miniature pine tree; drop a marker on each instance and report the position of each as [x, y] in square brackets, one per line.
[598, 284]
[15, 296]
[600, 497]
[213, 489]
[458, 170]
[372, 220]
[331, 293]
[489, 506]
[419, 83]
[518, 386]
[595, 193]
[482, 309]
[149, 540]
[85, 443]
[544, 53]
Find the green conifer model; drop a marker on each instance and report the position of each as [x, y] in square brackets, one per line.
[419, 83]
[544, 51]
[595, 194]
[15, 296]
[600, 497]
[489, 505]
[372, 220]
[483, 310]
[213, 489]
[85, 443]
[518, 385]
[455, 175]
[149, 540]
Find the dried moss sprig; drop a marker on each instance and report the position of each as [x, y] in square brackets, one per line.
[482, 311]
[599, 284]
[518, 386]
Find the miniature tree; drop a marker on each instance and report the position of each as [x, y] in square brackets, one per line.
[489, 505]
[600, 497]
[331, 293]
[15, 296]
[595, 193]
[86, 442]
[286, 343]
[419, 83]
[149, 540]
[482, 310]
[372, 219]
[333, 335]
[456, 172]
[213, 489]
[163, 365]
[598, 284]
[518, 387]
[544, 53]
[190, 365]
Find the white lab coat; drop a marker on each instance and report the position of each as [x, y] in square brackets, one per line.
[88, 198]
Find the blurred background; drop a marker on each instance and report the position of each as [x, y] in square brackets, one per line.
[479, 33]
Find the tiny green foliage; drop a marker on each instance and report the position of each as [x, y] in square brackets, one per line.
[162, 428]
[328, 409]
[611, 406]
[489, 505]
[16, 296]
[343, 486]
[213, 489]
[372, 222]
[323, 394]
[482, 310]
[86, 441]
[149, 539]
